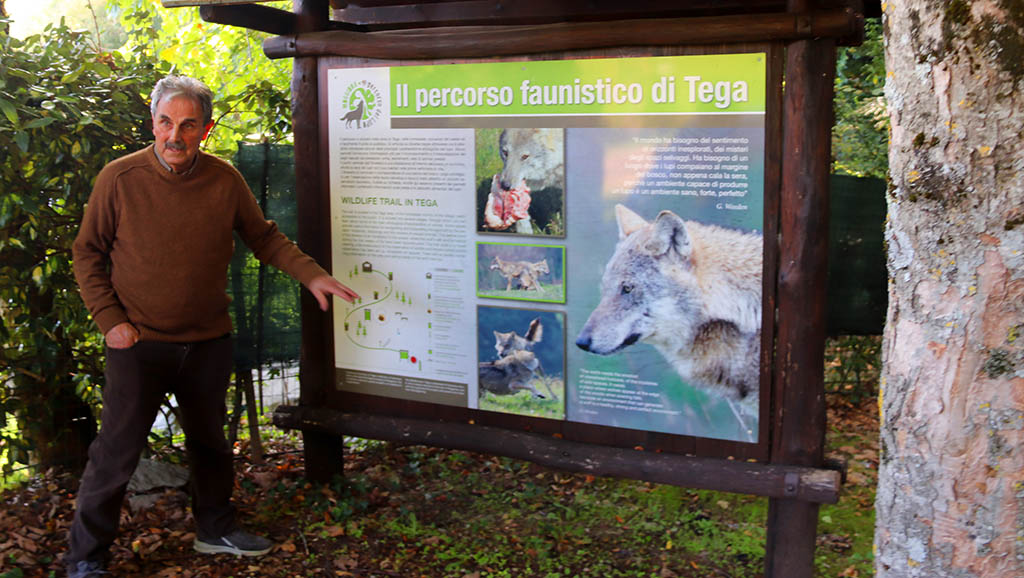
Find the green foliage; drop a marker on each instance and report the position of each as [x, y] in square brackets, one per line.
[548, 292]
[548, 525]
[423, 511]
[488, 157]
[554, 228]
[270, 173]
[853, 365]
[67, 110]
[92, 16]
[860, 147]
[252, 93]
[252, 104]
[860, 136]
[551, 406]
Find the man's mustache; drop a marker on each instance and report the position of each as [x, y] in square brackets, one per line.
[175, 145]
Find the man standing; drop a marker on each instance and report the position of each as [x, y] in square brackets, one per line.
[151, 262]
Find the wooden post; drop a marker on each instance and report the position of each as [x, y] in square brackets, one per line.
[323, 453]
[798, 409]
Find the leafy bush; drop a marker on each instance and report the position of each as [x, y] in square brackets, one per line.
[66, 110]
[853, 366]
[252, 101]
[860, 136]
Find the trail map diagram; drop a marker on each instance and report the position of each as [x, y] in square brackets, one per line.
[388, 323]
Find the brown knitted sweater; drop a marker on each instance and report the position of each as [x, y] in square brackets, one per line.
[154, 246]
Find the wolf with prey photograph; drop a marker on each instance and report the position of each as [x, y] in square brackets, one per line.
[521, 180]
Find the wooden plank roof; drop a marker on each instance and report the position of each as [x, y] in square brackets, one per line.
[451, 28]
[382, 15]
[394, 14]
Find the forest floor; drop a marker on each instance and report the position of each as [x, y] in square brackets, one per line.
[414, 511]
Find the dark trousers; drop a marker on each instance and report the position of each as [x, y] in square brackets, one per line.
[137, 380]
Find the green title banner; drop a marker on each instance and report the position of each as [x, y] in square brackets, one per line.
[705, 84]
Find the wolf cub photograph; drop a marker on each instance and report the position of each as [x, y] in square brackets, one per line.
[521, 272]
[521, 361]
[520, 175]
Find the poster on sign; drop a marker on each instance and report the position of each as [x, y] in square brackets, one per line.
[573, 240]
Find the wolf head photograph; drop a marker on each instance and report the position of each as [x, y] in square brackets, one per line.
[531, 156]
[690, 290]
[507, 342]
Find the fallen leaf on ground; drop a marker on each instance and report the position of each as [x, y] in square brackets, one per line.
[345, 563]
[856, 478]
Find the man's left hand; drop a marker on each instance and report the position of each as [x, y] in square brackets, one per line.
[325, 285]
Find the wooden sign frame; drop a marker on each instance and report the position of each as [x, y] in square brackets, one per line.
[575, 431]
[793, 471]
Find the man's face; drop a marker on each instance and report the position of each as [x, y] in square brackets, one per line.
[178, 128]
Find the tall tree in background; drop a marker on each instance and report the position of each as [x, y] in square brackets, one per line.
[951, 486]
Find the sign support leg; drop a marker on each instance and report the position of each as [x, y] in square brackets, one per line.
[323, 453]
[798, 404]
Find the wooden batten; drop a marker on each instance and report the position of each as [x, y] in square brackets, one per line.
[799, 483]
[251, 16]
[396, 14]
[263, 18]
[480, 41]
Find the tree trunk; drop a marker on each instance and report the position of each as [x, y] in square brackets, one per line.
[951, 481]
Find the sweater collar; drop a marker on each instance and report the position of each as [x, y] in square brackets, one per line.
[163, 163]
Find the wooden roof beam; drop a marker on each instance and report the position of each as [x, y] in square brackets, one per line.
[262, 18]
[252, 16]
[480, 41]
[399, 14]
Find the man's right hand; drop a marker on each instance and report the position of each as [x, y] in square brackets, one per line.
[122, 336]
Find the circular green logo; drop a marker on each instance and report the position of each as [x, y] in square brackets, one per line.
[362, 101]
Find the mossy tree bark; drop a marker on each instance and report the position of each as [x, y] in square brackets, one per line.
[951, 483]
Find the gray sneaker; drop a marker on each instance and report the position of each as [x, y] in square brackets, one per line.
[239, 543]
[86, 569]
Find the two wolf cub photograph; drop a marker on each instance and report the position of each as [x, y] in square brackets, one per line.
[657, 298]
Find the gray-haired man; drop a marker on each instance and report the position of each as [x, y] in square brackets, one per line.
[151, 262]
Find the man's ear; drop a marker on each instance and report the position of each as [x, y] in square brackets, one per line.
[206, 131]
